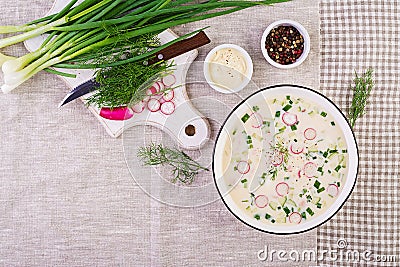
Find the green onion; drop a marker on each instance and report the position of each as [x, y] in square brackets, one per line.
[286, 210]
[287, 107]
[88, 35]
[322, 189]
[310, 211]
[317, 184]
[245, 118]
[277, 114]
[324, 114]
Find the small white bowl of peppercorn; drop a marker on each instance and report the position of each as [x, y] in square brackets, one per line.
[285, 44]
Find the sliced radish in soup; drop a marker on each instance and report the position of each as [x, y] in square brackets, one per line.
[310, 134]
[296, 148]
[261, 201]
[256, 120]
[310, 169]
[332, 190]
[289, 118]
[295, 217]
[277, 158]
[282, 189]
[243, 167]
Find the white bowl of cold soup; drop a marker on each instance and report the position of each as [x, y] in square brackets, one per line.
[285, 160]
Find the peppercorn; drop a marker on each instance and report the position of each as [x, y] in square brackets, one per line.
[284, 45]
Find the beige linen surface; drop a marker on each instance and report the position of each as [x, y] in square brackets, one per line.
[67, 197]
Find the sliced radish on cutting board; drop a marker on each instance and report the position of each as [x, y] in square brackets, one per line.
[168, 96]
[169, 80]
[161, 86]
[152, 91]
[168, 108]
[153, 105]
[139, 107]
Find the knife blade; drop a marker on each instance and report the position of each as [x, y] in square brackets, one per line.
[167, 53]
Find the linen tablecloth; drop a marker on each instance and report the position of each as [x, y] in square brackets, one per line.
[68, 198]
[356, 35]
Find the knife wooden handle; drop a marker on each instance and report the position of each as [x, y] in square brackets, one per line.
[181, 47]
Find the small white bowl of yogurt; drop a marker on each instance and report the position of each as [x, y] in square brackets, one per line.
[228, 68]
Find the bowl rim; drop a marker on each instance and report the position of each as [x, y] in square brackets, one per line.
[301, 29]
[345, 198]
[248, 74]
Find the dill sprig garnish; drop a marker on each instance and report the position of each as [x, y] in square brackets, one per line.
[361, 93]
[184, 169]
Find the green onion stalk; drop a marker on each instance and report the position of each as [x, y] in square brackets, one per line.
[89, 34]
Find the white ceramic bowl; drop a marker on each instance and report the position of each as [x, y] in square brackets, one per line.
[248, 74]
[223, 136]
[302, 31]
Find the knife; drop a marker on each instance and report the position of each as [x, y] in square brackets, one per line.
[167, 53]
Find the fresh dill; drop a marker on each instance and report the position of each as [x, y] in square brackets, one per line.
[126, 84]
[184, 169]
[361, 93]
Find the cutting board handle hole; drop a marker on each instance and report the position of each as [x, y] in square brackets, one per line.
[190, 130]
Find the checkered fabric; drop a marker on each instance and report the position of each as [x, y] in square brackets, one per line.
[355, 35]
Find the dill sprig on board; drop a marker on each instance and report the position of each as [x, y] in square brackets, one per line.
[184, 169]
[361, 92]
[126, 84]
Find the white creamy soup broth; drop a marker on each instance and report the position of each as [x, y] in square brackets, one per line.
[285, 161]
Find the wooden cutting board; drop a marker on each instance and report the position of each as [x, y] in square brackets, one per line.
[187, 126]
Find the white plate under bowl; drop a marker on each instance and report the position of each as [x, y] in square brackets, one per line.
[341, 121]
